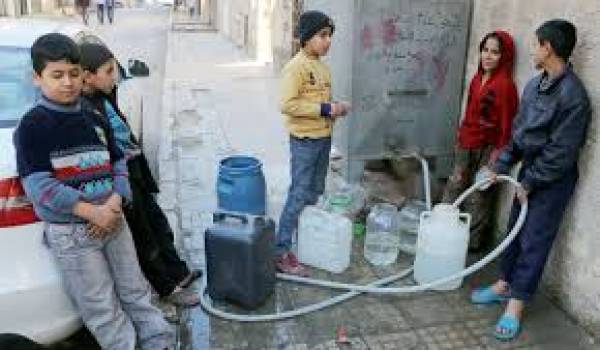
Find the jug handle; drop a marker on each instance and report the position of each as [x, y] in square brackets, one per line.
[226, 185]
[221, 216]
[466, 218]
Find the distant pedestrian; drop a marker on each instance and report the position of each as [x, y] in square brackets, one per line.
[309, 113]
[547, 136]
[82, 7]
[100, 4]
[484, 130]
[168, 274]
[109, 6]
[110, 10]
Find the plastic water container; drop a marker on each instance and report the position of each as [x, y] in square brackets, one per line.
[382, 241]
[239, 258]
[241, 185]
[442, 245]
[408, 223]
[324, 239]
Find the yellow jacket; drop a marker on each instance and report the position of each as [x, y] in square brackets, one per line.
[305, 85]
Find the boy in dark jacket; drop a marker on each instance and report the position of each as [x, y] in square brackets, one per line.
[152, 234]
[548, 133]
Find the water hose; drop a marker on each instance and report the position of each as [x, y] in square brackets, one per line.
[378, 285]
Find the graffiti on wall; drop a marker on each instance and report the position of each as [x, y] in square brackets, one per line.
[415, 45]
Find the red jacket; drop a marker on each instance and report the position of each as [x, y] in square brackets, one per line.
[491, 108]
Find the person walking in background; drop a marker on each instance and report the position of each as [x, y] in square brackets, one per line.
[109, 6]
[82, 7]
[309, 114]
[100, 4]
[110, 10]
[548, 134]
[484, 130]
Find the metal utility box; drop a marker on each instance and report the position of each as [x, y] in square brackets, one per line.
[401, 65]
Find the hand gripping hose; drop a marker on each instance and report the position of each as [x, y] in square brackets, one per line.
[377, 286]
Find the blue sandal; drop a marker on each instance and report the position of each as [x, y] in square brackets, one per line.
[486, 295]
[511, 326]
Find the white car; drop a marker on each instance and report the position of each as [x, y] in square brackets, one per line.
[32, 300]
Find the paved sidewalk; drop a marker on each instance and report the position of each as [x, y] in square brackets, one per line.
[217, 103]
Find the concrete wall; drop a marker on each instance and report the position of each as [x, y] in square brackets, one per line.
[573, 272]
[248, 24]
[12, 8]
[282, 34]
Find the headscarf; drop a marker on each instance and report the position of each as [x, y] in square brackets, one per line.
[491, 108]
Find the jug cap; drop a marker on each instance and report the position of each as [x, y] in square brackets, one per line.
[340, 200]
[445, 208]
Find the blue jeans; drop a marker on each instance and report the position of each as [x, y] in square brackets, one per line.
[309, 163]
[106, 285]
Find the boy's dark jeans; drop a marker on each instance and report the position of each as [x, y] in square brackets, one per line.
[309, 160]
[524, 260]
[153, 237]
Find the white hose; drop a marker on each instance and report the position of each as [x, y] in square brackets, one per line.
[374, 287]
[426, 180]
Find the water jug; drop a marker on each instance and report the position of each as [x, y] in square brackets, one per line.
[382, 241]
[442, 245]
[324, 239]
[239, 258]
[241, 185]
[408, 223]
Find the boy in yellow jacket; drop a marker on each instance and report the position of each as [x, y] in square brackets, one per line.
[309, 114]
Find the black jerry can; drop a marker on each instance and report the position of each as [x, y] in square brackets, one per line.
[239, 258]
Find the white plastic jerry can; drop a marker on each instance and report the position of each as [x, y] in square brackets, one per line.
[324, 239]
[442, 245]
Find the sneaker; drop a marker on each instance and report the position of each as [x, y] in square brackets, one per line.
[189, 279]
[183, 298]
[288, 263]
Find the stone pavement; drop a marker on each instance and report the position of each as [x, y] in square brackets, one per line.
[217, 103]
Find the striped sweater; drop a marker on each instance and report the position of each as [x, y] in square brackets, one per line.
[64, 155]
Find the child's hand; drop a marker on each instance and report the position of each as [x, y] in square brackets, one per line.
[106, 218]
[522, 194]
[346, 107]
[115, 203]
[339, 109]
[96, 232]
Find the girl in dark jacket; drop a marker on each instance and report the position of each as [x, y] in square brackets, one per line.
[484, 130]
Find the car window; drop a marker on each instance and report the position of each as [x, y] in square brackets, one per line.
[17, 92]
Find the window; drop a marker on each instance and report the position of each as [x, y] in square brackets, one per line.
[17, 92]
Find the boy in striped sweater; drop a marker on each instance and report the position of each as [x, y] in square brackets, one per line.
[76, 177]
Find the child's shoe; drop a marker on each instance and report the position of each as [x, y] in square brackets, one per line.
[288, 263]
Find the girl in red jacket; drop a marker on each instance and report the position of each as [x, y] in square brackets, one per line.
[484, 130]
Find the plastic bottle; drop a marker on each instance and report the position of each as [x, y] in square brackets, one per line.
[382, 241]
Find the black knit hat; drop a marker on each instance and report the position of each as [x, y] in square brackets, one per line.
[310, 23]
[93, 56]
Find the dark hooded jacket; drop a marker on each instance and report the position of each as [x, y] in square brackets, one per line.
[549, 129]
[138, 167]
